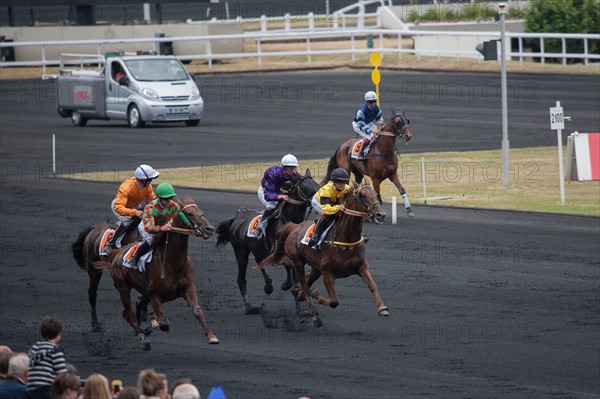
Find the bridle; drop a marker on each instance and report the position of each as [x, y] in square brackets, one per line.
[303, 199]
[197, 227]
[400, 127]
[368, 208]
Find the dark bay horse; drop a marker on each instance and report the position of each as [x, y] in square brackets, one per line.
[235, 230]
[169, 275]
[342, 254]
[382, 160]
[86, 251]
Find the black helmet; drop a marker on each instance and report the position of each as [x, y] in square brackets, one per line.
[340, 174]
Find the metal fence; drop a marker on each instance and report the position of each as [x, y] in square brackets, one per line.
[308, 37]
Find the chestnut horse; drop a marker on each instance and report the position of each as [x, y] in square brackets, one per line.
[382, 160]
[235, 231]
[86, 251]
[168, 276]
[342, 254]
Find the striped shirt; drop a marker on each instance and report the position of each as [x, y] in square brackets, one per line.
[46, 361]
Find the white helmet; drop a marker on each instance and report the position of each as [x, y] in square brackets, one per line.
[289, 160]
[370, 96]
[146, 172]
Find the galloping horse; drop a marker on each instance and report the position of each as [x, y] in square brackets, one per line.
[235, 230]
[169, 275]
[382, 160]
[342, 254]
[86, 251]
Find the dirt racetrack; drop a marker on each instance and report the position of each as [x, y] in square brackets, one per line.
[483, 303]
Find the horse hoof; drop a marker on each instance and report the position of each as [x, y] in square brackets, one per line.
[252, 310]
[146, 346]
[212, 339]
[304, 313]
[165, 327]
[285, 286]
[269, 289]
[410, 213]
[96, 327]
[383, 311]
[318, 323]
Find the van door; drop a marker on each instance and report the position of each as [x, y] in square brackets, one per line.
[117, 91]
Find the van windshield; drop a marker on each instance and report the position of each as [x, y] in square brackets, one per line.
[153, 70]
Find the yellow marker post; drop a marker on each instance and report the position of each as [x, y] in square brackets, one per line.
[375, 60]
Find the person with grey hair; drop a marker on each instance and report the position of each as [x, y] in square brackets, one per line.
[186, 391]
[15, 386]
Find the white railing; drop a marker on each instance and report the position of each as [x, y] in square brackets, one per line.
[347, 34]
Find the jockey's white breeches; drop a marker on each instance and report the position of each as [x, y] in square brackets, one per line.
[370, 127]
[261, 197]
[149, 238]
[124, 220]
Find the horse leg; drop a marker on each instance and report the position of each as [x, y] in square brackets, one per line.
[290, 280]
[365, 274]
[160, 320]
[329, 283]
[141, 313]
[377, 187]
[396, 180]
[268, 281]
[242, 261]
[94, 276]
[191, 297]
[299, 270]
[125, 294]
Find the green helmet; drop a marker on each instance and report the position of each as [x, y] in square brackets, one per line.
[165, 190]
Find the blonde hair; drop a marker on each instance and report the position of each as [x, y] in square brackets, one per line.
[149, 382]
[96, 387]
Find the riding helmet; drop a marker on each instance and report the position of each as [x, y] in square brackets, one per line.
[165, 190]
[146, 172]
[340, 174]
[289, 160]
[370, 96]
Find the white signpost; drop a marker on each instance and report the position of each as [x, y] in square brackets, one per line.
[557, 122]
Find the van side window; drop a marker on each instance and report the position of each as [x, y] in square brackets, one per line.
[117, 71]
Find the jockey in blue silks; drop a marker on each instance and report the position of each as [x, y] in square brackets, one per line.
[366, 119]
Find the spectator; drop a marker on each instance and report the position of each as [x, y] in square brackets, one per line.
[129, 393]
[96, 387]
[152, 385]
[46, 359]
[179, 381]
[66, 386]
[4, 358]
[186, 391]
[15, 386]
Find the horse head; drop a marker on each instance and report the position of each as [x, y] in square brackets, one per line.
[366, 198]
[399, 125]
[193, 218]
[304, 189]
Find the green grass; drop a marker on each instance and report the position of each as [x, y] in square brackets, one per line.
[467, 179]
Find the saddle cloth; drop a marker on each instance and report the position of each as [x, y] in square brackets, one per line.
[311, 231]
[106, 236]
[141, 266]
[357, 150]
[253, 230]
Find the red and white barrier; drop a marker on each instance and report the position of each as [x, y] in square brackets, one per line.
[583, 156]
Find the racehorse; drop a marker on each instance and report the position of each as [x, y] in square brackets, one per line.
[168, 276]
[382, 160]
[342, 254]
[86, 251]
[235, 230]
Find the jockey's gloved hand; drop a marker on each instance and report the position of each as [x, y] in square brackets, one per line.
[287, 186]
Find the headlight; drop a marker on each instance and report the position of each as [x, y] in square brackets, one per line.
[195, 93]
[150, 93]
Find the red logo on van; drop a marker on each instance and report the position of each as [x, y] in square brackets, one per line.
[82, 95]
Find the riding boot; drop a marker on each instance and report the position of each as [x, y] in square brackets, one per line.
[112, 244]
[314, 239]
[365, 147]
[141, 251]
[266, 218]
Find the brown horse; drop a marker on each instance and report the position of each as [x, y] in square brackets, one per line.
[169, 275]
[86, 251]
[234, 230]
[342, 254]
[382, 160]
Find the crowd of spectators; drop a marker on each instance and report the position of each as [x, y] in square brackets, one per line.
[43, 373]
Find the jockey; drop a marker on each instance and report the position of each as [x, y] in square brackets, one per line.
[274, 184]
[366, 119]
[131, 193]
[326, 202]
[155, 219]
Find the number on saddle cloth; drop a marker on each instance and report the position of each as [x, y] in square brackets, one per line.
[106, 237]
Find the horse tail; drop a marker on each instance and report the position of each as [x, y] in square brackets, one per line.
[101, 265]
[77, 247]
[330, 167]
[278, 254]
[223, 233]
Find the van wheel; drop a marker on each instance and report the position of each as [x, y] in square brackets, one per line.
[193, 122]
[134, 118]
[77, 119]
[63, 113]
